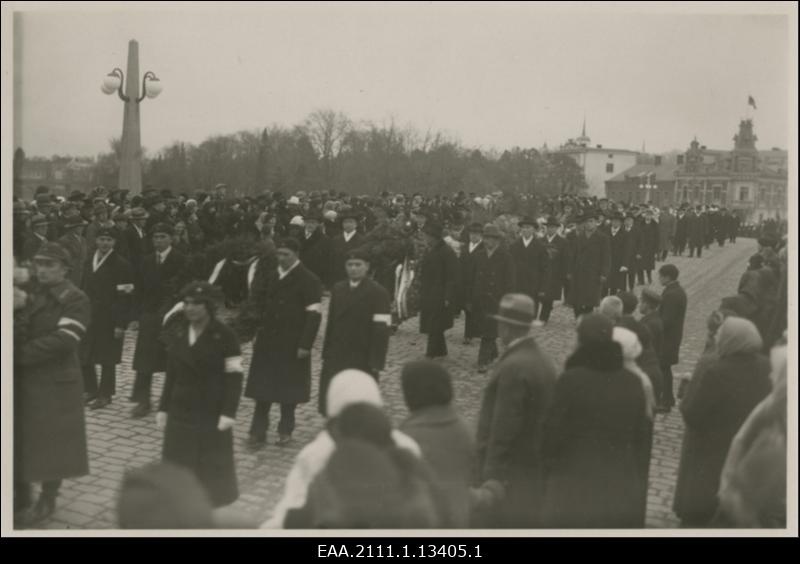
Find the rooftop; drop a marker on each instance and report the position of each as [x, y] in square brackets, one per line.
[662, 172]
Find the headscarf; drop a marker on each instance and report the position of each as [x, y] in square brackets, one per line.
[631, 350]
[738, 335]
[349, 387]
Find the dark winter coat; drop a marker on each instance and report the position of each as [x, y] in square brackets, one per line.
[673, 315]
[511, 427]
[529, 265]
[666, 231]
[590, 269]
[720, 396]
[448, 446]
[78, 250]
[681, 230]
[158, 290]
[31, 244]
[494, 277]
[648, 360]
[557, 267]
[595, 436]
[439, 281]
[357, 332]
[49, 426]
[110, 291]
[472, 324]
[204, 382]
[695, 230]
[287, 318]
[315, 254]
[622, 251]
[648, 245]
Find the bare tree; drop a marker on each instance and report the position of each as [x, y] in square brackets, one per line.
[327, 130]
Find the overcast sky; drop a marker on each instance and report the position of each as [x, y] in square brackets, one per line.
[489, 75]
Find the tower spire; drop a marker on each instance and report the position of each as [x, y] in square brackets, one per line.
[583, 129]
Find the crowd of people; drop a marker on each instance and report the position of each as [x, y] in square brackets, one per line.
[196, 276]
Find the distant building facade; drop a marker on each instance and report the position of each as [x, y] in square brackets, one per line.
[749, 182]
[60, 175]
[599, 164]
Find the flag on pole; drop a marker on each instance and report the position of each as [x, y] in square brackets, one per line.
[751, 102]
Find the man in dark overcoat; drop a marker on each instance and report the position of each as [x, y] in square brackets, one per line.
[590, 266]
[681, 232]
[695, 232]
[163, 274]
[357, 333]
[73, 241]
[439, 280]
[49, 426]
[494, 278]
[556, 270]
[633, 234]
[673, 314]
[285, 317]
[621, 255]
[341, 245]
[470, 251]
[647, 249]
[510, 472]
[108, 282]
[316, 249]
[529, 261]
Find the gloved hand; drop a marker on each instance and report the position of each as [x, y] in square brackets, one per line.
[225, 423]
[161, 420]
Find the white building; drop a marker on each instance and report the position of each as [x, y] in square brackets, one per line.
[599, 164]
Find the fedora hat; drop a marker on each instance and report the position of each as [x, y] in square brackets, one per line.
[491, 230]
[552, 221]
[526, 221]
[76, 221]
[516, 309]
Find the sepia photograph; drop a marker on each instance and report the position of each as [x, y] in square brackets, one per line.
[407, 269]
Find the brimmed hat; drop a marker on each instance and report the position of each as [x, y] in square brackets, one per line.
[39, 219]
[349, 214]
[54, 251]
[289, 243]
[43, 199]
[618, 216]
[475, 227]
[491, 230]
[293, 201]
[76, 221]
[552, 221]
[139, 213]
[107, 232]
[358, 254]
[162, 227]
[516, 309]
[527, 220]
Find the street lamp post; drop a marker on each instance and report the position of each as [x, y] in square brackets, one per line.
[130, 168]
[648, 185]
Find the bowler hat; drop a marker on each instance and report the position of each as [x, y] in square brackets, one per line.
[491, 230]
[527, 220]
[516, 309]
[475, 227]
[289, 243]
[552, 221]
[162, 227]
[54, 251]
[139, 213]
[358, 254]
[617, 216]
[349, 214]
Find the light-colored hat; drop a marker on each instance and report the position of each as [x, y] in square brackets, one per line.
[297, 220]
[293, 201]
[349, 387]
[516, 309]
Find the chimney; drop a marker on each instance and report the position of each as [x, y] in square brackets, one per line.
[658, 160]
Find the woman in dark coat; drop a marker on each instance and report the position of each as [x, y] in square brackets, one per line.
[597, 429]
[721, 394]
[439, 275]
[201, 394]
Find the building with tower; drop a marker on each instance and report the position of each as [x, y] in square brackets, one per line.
[599, 164]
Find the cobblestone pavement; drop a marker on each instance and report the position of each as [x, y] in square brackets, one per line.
[117, 442]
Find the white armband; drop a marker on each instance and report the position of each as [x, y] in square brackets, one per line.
[233, 364]
[315, 308]
[69, 321]
[382, 318]
[125, 288]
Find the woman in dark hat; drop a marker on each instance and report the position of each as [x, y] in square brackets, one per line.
[201, 394]
[596, 431]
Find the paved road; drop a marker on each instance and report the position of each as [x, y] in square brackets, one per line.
[117, 442]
